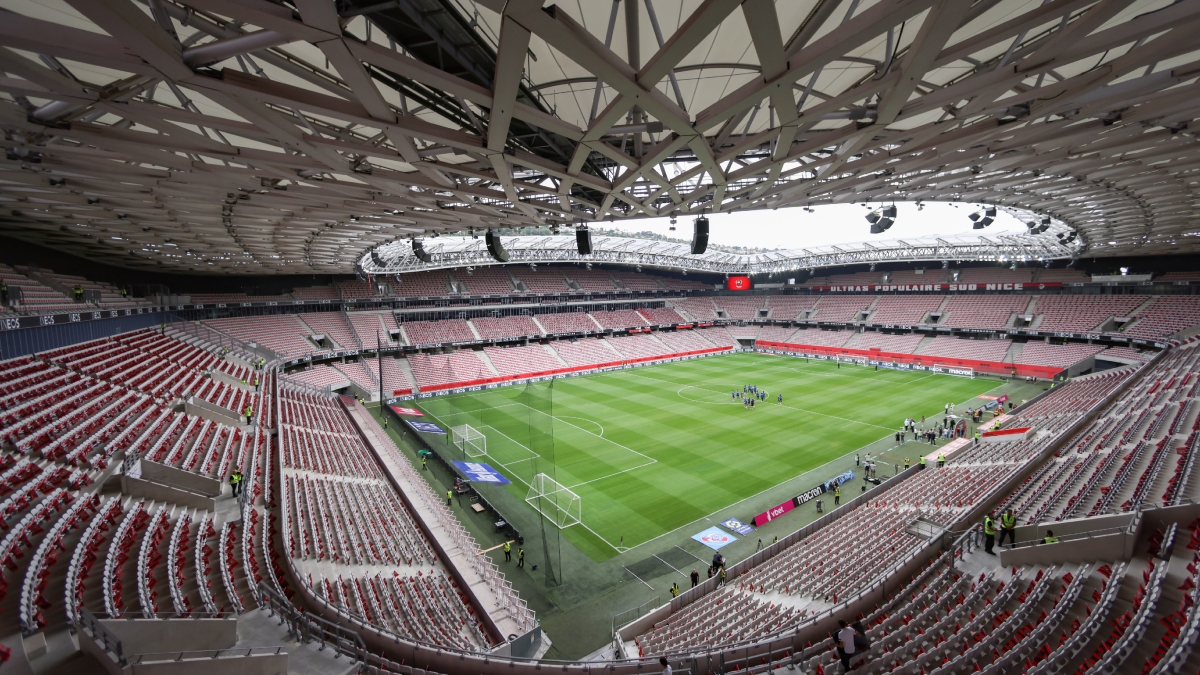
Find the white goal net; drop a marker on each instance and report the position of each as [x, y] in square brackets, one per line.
[561, 506]
[470, 440]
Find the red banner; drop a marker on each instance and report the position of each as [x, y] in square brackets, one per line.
[919, 288]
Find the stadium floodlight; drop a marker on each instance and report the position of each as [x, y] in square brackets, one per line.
[418, 249]
[554, 501]
[881, 219]
[984, 218]
[470, 440]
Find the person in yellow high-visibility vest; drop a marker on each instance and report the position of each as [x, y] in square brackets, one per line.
[1008, 528]
[449, 497]
[837, 495]
[941, 459]
[507, 551]
[989, 534]
[249, 413]
[1050, 538]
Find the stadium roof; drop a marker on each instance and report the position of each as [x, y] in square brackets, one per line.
[449, 252]
[251, 136]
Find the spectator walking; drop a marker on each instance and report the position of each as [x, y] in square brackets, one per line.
[1008, 528]
[941, 460]
[662, 660]
[845, 644]
[989, 533]
[857, 459]
[695, 578]
[423, 466]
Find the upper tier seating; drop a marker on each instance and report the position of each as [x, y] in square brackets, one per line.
[1125, 353]
[333, 325]
[674, 284]
[1061, 275]
[500, 328]
[636, 281]
[422, 284]
[591, 280]
[109, 295]
[438, 332]
[432, 370]
[700, 309]
[369, 326]
[567, 322]
[790, 307]
[619, 319]
[908, 277]
[995, 275]
[283, 334]
[851, 279]
[961, 348]
[741, 308]
[1166, 316]
[982, 311]
[486, 281]
[906, 310]
[1083, 313]
[354, 290]
[842, 307]
[1062, 356]
[231, 298]
[662, 316]
[544, 280]
[315, 293]
[35, 297]
[895, 344]
[321, 376]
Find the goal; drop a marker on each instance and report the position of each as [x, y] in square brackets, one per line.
[558, 504]
[470, 440]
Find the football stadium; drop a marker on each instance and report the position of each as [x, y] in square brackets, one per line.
[482, 337]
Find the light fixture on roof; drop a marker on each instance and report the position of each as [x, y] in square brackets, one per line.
[882, 219]
[672, 222]
[984, 218]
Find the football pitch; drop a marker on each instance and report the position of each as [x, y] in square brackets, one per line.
[651, 449]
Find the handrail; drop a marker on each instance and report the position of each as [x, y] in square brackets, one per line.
[243, 652]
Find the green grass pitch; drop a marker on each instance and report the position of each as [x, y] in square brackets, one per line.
[651, 449]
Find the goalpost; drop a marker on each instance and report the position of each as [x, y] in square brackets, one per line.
[470, 440]
[558, 504]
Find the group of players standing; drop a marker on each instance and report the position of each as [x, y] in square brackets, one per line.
[750, 394]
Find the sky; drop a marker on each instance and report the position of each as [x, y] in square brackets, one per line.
[794, 228]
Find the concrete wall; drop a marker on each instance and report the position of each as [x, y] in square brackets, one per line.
[138, 487]
[231, 380]
[256, 664]
[154, 636]
[1083, 539]
[210, 411]
[169, 475]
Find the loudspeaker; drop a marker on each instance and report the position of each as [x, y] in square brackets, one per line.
[583, 240]
[378, 259]
[494, 246]
[418, 247]
[700, 236]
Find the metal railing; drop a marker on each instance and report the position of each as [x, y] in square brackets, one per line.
[89, 624]
[158, 657]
